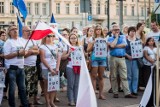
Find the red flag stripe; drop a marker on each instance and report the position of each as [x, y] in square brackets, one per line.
[39, 34]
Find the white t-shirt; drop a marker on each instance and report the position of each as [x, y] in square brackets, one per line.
[30, 60]
[51, 60]
[12, 46]
[151, 53]
[154, 35]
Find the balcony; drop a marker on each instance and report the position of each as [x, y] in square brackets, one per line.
[99, 17]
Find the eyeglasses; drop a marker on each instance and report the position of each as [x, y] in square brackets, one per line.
[3, 35]
[116, 29]
[64, 34]
[27, 30]
[50, 36]
[98, 29]
[13, 29]
[73, 38]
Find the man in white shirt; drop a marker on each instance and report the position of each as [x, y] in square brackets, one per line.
[155, 32]
[14, 62]
[30, 58]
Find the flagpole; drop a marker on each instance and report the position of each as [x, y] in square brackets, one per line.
[30, 36]
[157, 77]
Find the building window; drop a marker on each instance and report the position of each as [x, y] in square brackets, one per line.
[76, 8]
[57, 8]
[142, 11]
[1, 22]
[106, 8]
[90, 10]
[117, 10]
[98, 7]
[125, 10]
[1, 7]
[29, 8]
[29, 24]
[11, 8]
[67, 8]
[36, 8]
[44, 9]
[132, 10]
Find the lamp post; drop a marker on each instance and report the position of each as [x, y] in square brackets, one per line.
[108, 12]
[121, 14]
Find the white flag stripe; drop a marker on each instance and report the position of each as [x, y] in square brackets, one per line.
[147, 92]
[42, 26]
[86, 94]
[60, 36]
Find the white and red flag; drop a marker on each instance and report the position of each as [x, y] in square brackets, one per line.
[42, 30]
[86, 94]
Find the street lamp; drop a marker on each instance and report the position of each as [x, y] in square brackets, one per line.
[108, 12]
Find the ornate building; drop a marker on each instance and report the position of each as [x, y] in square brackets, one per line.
[67, 12]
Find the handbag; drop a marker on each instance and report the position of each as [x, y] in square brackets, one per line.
[140, 62]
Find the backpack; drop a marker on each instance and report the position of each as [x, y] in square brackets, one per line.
[63, 65]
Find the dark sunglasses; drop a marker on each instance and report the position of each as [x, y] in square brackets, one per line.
[50, 35]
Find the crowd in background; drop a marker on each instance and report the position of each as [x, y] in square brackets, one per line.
[28, 63]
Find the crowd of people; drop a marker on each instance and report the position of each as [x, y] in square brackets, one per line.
[28, 62]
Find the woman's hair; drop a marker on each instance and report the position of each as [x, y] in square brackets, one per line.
[132, 28]
[142, 35]
[73, 28]
[95, 35]
[43, 42]
[67, 30]
[148, 39]
[88, 30]
[124, 26]
[76, 37]
[1, 32]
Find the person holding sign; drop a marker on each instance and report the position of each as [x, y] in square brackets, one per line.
[117, 44]
[98, 48]
[131, 62]
[73, 70]
[50, 61]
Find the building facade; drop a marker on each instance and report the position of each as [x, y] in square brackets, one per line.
[67, 12]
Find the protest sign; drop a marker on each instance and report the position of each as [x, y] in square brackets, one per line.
[136, 49]
[53, 82]
[100, 47]
[76, 57]
[2, 80]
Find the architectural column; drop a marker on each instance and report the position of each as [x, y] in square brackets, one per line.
[7, 7]
[32, 8]
[40, 8]
[102, 8]
[94, 8]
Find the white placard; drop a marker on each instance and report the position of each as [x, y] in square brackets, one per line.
[76, 57]
[136, 49]
[100, 47]
[1, 95]
[53, 82]
[2, 77]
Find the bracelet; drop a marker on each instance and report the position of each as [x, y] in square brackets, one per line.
[17, 52]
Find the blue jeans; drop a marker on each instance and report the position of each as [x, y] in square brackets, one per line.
[72, 85]
[17, 76]
[132, 75]
[97, 63]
